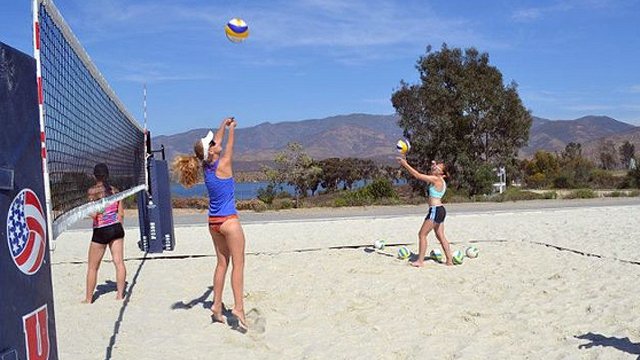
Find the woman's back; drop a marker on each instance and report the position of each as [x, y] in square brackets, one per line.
[109, 215]
[221, 192]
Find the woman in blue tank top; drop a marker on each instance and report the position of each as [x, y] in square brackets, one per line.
[224, 226]
[437, 213]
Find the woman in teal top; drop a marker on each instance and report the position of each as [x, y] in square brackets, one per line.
[437, 213]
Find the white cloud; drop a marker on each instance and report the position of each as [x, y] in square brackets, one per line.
[538, 12]
[635, 89]
[589, 107]
[348, 30]
[153, 72]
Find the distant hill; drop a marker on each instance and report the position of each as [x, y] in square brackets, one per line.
[554, 135]
[590, 148]
[355, 135]
[374, 136]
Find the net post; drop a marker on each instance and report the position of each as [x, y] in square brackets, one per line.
[43, 137]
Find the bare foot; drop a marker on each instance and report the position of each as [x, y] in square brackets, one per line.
[216, 314]
[417, 264]
[449, 263]
[85, 301]
[242, 322]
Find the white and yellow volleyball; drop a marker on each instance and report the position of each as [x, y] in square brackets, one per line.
[403, 146]
[404, 253]
[236, 30]
[379, 244]
[436, 255]
[458, 256]
[472, 252]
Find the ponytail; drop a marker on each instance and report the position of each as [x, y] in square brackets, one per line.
[188, 169]
[108, 190]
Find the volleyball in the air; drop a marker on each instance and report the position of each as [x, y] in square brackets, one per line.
[472, 252]
[458, 256]
[403, 146]
[236, 30]
[379, 244]
[436, 255]
[403, 252]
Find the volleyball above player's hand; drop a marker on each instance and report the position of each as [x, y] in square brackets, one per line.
[403, 146]
[236, 30]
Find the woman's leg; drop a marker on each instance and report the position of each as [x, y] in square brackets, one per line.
[234, 235]
[117, 256]
[427, 225]
[222, 256]
[439, 230]
[96, 251]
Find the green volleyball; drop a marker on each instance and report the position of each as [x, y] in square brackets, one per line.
[404, 253]
[458, 256]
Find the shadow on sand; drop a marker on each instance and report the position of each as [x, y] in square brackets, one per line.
[622, 344]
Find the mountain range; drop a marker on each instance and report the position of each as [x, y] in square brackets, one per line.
[374, 136]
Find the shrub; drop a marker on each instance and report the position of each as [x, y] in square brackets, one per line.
[536, 180]
[282, 203]
[253, 204]
[199, 203]
[562, 182]
[456, 196]
[617, 193]
[267, 194]
[379, 191]
[603, 179]
[581, 194]
[514, 194]
[381, 188]
[131, 202]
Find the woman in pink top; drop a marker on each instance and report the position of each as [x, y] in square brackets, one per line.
[107, 231]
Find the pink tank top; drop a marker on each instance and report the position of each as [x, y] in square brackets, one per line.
[108, 217]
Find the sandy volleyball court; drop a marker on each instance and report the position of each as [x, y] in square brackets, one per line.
[552, 284]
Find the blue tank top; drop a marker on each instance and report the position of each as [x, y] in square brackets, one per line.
[222, 200]
[435, 193]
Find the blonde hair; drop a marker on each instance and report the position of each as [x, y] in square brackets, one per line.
[188, 168]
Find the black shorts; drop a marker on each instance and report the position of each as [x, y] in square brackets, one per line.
[105, 235]
[436, 214]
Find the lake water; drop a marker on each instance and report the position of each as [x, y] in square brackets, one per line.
[244, 190]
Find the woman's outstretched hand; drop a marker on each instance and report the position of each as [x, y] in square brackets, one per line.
[402, 160]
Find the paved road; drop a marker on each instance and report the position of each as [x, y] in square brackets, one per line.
[184, 218]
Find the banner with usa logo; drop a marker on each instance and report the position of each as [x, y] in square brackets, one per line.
[27, 322]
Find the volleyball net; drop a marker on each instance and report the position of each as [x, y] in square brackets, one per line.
[82, 123]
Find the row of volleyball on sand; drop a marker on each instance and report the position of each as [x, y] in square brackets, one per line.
[404, 253]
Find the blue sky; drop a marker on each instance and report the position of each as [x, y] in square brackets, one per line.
[316, 58]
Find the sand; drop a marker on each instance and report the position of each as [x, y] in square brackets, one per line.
[551, 284]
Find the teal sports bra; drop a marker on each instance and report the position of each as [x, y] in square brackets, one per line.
[435, 193]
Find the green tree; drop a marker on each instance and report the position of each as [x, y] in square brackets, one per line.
[294, 167]
[627, 152]
[331, 173]
[607, 154]
[541, 170]
[461, 113]
[574, 169]
[572, 151]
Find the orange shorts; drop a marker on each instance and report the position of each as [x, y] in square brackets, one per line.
[216, 221]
